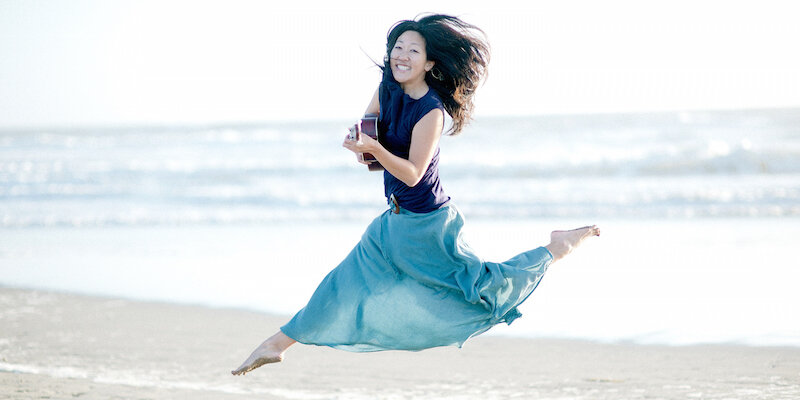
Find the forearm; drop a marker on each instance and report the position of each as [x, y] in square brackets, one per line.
[402, 169]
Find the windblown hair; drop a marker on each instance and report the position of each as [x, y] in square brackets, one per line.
[460, 52]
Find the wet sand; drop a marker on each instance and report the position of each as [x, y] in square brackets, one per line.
[65, 346]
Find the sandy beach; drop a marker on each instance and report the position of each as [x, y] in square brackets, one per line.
[62, 346]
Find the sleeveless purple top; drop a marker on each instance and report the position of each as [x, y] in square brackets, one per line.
[398, 115]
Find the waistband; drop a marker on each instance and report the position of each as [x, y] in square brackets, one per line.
[395, 208]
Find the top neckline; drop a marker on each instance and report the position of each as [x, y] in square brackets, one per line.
[420, 97]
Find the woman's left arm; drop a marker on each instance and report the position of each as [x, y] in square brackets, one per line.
[424, 140]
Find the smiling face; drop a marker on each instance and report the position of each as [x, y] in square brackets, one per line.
[409, 61]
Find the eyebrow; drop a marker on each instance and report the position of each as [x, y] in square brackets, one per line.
[400, 41]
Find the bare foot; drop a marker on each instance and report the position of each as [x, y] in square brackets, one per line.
[271, 351]
[259, 357]
[563, 242]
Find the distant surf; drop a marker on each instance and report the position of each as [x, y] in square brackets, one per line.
[667, 165]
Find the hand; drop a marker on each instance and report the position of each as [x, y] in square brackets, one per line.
[366, 144]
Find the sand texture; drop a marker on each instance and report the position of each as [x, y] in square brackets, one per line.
[64, 346]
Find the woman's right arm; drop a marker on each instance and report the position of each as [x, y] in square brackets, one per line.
[374, 106]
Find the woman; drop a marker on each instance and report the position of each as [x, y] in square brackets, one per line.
[411, 283]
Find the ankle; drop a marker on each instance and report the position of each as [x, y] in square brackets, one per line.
[279, 343]
[557, 250]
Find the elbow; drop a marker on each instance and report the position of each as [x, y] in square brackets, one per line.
[412, 174]
[412, 183]
[416, 174]
[412, 180]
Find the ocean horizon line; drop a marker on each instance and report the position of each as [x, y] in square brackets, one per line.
[68, 127]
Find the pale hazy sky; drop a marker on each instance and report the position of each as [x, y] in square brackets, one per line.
[110, 62]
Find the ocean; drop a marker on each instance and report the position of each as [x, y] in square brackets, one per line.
[700, 212]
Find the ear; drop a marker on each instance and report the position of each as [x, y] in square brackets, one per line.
[429, 65]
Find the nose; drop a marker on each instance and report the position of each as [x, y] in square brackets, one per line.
[400, 53]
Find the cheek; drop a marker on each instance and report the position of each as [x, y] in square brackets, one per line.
[422, 62]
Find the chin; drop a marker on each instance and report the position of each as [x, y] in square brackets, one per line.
[403, 78]
[399, 79]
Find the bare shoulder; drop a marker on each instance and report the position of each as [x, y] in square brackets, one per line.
[429, 128]
[433, 119]
[374, 106]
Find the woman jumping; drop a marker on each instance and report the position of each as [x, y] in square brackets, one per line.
[412, 283]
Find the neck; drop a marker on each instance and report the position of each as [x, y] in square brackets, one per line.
[415, 90]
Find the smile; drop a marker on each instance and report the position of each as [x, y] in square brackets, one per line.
[403, 67]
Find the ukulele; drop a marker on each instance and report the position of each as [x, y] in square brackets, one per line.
[368, 125]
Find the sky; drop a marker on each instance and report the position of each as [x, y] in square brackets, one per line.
[112, 62]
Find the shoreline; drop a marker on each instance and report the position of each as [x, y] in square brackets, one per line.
[61, 345]
[686, 282]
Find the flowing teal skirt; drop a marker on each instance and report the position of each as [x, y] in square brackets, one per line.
[412, 283]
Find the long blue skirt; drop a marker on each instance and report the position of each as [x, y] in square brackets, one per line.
[412, 283]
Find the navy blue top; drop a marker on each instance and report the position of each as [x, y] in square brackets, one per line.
[398, 115]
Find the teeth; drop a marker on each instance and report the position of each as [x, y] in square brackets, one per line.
[403, 67]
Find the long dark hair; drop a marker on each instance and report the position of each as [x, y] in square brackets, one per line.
[460, 52]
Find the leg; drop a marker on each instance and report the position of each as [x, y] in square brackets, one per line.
[563, 242]
[271, 351]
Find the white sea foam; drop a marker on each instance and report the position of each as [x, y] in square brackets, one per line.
[147, 379]
[57, 372]
[714, 164]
